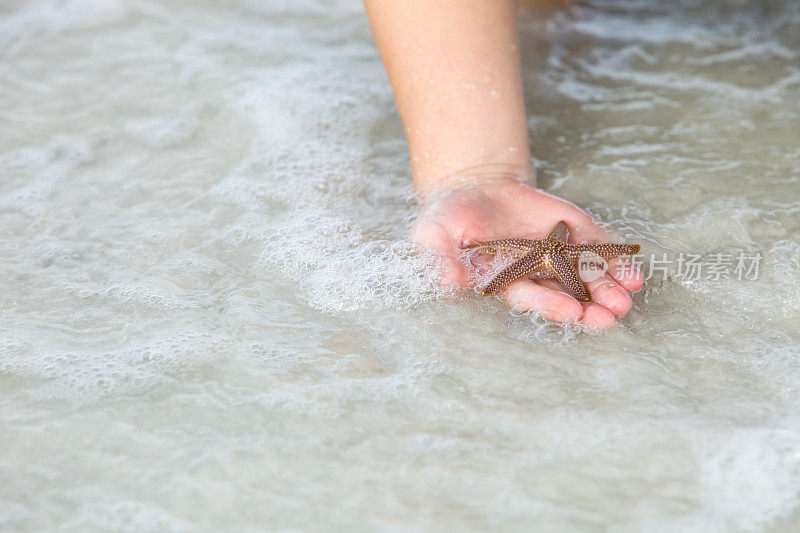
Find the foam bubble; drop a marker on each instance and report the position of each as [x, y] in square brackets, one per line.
[88, 375]
[37, 169]
[163, 132]
[120, 514]
[749, 478]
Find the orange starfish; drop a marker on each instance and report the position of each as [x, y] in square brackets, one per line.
[551, 257]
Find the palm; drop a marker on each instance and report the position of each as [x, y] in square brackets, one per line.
[510, 209]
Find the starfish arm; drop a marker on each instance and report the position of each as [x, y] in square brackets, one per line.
[516, 244]
[567, 275]
[529, 265]
[604, 250]
[559, 233]
[516, 248]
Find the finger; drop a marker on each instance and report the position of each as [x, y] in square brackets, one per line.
[598, 317]
[550, 304]
[594, 315]
[481, 262]
[607, 292]
[626, 273]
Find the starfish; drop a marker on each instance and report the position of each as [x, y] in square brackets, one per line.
[551, 257]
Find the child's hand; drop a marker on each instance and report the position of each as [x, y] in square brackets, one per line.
[507, 208]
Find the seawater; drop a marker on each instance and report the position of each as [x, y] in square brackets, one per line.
[211, 317]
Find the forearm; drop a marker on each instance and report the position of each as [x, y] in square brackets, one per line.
[454, 68]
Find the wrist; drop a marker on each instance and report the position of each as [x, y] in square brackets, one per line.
[429, 187]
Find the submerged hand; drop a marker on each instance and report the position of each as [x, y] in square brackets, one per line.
[507, 208]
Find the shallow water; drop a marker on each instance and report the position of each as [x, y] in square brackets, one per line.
[210, 316]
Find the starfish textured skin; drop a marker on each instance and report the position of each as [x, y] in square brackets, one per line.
[551, 257]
